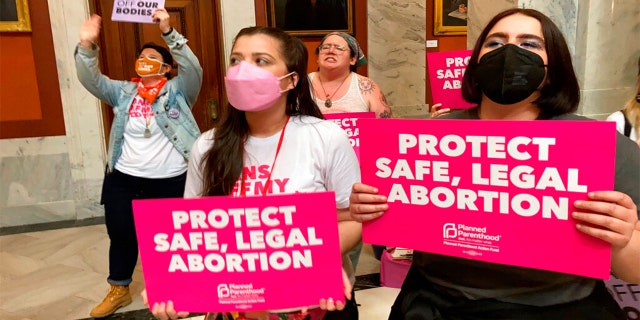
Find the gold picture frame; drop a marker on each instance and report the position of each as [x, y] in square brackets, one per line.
[450, 18]
[303, 18]
[15, 16]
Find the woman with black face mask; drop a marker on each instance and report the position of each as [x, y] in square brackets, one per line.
[520, 69]
[628, 119]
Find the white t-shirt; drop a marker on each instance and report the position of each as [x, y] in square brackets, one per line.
[352, 101]
[618, 118]
[315, 156]
[154, 157]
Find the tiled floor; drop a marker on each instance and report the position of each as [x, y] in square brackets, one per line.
[61, 274]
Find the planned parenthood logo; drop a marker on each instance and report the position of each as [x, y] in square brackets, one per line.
[241, 295]
[223, 291]
[449, 231]
[471, 240]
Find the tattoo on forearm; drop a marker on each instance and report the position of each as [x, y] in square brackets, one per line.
[387, 111]
[383, 99]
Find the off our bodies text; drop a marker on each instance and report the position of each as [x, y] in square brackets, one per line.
[139, 11]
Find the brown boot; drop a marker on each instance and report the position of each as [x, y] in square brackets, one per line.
[117, 297]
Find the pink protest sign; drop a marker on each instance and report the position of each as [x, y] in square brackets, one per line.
[135, 10]
[445, 76]
[349, 122]
[220, 254]
[495, 191]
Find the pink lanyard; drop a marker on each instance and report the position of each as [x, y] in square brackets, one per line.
[268, 182]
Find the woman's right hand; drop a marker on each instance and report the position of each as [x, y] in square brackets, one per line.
[162, 18]
[90, 31]
[162, 310]
[365, 203]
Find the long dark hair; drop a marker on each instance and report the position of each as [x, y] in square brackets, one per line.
[223, 163]
[560, 94]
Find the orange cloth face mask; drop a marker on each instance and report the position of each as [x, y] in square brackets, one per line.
[146, 67]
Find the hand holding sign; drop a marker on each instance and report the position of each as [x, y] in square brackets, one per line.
[166, 310]
[366, 203]
[161, 17]
[163, 310]
[612, 217]
[141, 11]
[437, 110]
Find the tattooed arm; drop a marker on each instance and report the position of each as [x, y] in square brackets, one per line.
[374, 97]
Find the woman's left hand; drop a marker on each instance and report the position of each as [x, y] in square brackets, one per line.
[607, 215]
[163, 311]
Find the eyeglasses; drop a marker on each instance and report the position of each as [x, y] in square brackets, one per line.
[327, 47]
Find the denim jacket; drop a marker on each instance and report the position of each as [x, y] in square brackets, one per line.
[179, 93]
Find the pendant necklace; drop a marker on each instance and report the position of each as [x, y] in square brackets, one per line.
[147, 132]
[328, 103]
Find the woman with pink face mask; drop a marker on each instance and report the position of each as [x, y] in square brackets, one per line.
[273, 123]
[150, 139]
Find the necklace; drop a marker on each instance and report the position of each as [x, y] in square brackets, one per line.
[147, 132]
[328, 103]
[273, 164]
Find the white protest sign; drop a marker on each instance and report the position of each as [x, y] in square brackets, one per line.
[135, 10]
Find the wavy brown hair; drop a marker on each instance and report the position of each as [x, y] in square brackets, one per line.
[223, 162]
[561, 93]
[632, 108]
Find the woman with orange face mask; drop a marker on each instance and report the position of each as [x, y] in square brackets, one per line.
[150, 140]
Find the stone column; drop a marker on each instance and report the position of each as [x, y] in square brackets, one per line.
[397, 54]
[601, 35]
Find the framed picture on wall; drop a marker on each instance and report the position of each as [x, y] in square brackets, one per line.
[450, 17]
[311, 18]
[14, 16]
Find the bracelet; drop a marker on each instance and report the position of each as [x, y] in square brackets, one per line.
[93, 44]
[168, 32]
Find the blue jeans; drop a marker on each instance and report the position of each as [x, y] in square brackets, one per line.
[118, 190]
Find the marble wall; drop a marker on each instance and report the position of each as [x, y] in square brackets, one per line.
[397, 54]
[598, 33]
[236, 14]
[607, 51]
[58, 178]
[51, 179]
[479, 14]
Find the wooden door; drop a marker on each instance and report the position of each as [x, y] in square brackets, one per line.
[198, 20]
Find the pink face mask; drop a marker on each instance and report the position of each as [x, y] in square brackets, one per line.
[251, 88]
